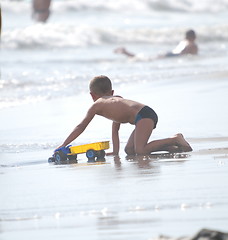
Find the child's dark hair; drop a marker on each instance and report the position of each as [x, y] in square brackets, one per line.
[100, 85]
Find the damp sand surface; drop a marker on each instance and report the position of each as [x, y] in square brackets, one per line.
[45, 72]
[125, 197]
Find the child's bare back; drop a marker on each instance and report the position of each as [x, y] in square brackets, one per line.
[117, 109]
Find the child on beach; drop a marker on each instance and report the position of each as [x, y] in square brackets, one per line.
[121, 110]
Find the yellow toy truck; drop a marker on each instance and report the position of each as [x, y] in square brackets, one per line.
[94, 152]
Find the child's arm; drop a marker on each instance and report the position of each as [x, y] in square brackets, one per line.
[115, 138]
[80, 127]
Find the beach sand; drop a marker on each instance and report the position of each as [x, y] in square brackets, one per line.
[45, 71]
[127, 197]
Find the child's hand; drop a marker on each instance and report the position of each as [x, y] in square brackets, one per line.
[59, 147]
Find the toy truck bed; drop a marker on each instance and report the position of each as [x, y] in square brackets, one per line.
[91, 146]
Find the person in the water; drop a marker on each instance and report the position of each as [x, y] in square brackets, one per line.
[41, 10]
[186, 46]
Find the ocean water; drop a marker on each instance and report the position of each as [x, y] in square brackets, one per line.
[45, 71]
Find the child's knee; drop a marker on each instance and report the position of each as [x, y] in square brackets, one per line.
[132, 151]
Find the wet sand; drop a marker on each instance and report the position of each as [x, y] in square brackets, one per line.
[131, 198]
[127, 197]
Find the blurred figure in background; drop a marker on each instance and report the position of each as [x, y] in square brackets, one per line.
[186, 46]
[41, 10]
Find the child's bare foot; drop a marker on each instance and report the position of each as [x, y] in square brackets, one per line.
[182, 143]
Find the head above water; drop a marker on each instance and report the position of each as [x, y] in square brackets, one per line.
[101, 86]
[190, 35]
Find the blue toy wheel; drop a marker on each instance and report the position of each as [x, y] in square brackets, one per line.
[60, 156]
[91, 154]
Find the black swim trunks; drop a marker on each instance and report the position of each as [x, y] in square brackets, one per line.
[147, 112]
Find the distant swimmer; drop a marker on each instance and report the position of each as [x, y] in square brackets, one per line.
[41, 10]
[187, 46]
